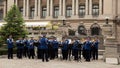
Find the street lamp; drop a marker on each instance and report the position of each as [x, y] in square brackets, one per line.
[117, 19]
[64, 22]
[107, 20]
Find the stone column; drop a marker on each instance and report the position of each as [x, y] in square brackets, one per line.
[4, 13]
[48, 8]
[111, 54]
[90, 7]
[24, 8]
[73, 7]
[86, 7]
[77, 8]
[60, 9]
[64, 8]
[16, 3]
[100, 7]
[51, 8]
[39, 9]
[36, 7]
[27, 10]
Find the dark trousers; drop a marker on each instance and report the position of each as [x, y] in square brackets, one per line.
[51, 53]
[69, 53]
[87, 55]
[75, 54]
[55, 53]
[10, 53]
[79, 52]
[65, 54]
[95, 54]
[31, 53]
[39, 54]
[19, 53]
[25, 51]
[84, 53]
[44, 54]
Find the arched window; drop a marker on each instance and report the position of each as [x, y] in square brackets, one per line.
[95, 29]
[82, 30]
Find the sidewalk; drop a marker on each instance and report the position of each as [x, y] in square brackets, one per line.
[57, 63]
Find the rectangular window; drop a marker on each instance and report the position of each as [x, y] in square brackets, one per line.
[56, 11]
[95, 9]
[81, 10]
[32, 9]
[68, 11]
[21, 10]
[44, 12]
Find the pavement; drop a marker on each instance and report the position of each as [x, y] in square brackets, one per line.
[57, 63]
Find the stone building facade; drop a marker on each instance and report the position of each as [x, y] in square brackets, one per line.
[78, 17]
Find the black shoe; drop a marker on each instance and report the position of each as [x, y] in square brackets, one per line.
[47, 60]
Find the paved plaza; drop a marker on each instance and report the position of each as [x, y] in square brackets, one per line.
[57, 63]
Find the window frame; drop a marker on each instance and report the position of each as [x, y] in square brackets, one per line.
[95, 9]
[82, 10]
[68, 10]
[56, 11]
[44, 12]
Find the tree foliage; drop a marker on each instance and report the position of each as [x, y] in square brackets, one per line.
[14, 24]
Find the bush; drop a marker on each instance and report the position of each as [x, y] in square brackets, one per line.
[3, 51]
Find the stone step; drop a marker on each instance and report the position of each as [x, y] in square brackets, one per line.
[100, 52]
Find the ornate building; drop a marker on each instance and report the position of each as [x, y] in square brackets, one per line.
[78, 17]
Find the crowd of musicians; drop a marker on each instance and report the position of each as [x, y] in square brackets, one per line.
[50, 49]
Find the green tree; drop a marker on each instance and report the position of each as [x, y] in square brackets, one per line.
[14, 24]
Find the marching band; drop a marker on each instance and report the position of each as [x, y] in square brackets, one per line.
[50, 48]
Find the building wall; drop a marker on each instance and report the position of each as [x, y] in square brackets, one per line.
[107, 9]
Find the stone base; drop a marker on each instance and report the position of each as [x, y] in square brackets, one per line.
[112, 60]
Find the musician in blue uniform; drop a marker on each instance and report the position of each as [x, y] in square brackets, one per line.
[44, 48]
[50, 48]
[65, 44]
[20, 47]
[26, 44]
[75, 49]
[55, 48]
[95, 49]
[87, 47]
[10, 47]
[31, 48]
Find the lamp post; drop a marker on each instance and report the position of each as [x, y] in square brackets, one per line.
[107, 20]
[117, 19]
[64, 22]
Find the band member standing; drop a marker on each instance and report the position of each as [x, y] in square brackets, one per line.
[20, 47]
[65, 44]
[31, 48]
[44, 48]
[26, 44]
[10, 47]
[75, 49]
[55, 48]
[87, 48]
[70, 48]
[95, 49]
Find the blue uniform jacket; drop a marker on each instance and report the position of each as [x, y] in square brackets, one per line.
[87, 45]
[75, 45]
[95, 44]
[9, 43]
[44, 43]
[31, 46]
[26, 42]
[65, 45]
[55, 44]
[20, 44]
